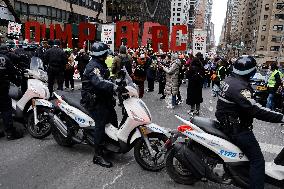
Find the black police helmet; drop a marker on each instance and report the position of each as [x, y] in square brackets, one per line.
[57, 42]
[245, 66]
[99, 49]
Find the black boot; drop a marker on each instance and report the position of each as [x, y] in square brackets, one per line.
[163, 97]
[99, 159]
[13, 134]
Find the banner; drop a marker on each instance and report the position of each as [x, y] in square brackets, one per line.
[5, 14]
[199, 42]
[107, 35]
[14, 28]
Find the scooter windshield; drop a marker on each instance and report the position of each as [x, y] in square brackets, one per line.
[36, 64]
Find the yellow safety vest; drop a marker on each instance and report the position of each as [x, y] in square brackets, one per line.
[271, 81]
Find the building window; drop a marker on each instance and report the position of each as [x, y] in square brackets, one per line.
[267, 7]
[274, 48]
[264, 28]
[178, 9]
[43, 10]
[33, 9]
[265, 17]
[279, 16]
[261, 48]
[276, 39]
[178, 14]
[278, 28]
[280, 6]
[178, 19]
[262, 37]
[179, 4]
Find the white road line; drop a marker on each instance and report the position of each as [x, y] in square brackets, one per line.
[271, 148]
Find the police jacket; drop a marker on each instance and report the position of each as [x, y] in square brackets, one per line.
[7, 74]
[56, 59]
[95, 83]
[235, 100]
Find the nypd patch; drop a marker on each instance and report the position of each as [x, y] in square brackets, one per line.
[97, 71]
[246, 93]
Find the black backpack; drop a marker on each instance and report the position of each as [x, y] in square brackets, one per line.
[125, 61]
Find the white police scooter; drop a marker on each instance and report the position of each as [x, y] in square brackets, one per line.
[28, 106]
[200, 151]
[73, 123]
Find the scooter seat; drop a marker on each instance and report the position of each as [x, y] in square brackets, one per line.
[210, 126]
[76, 103]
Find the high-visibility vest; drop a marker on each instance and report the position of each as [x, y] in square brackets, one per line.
[271, 81]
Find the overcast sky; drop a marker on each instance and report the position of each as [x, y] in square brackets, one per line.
[219, 14]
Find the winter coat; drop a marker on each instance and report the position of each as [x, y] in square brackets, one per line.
[195, 76]
[151, 66]
[172, 77]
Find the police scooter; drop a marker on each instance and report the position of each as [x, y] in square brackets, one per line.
[72, 124]
[28, 106]
[199, 151]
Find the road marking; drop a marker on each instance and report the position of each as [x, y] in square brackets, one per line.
[271, 148]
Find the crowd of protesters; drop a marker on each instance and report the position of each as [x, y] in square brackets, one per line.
[170, 70]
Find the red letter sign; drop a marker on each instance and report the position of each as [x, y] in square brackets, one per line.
[28, 26]
[174, 46]
[164, 39]
[130, 33]
[87, 31]
[147, 33]
[65, 35]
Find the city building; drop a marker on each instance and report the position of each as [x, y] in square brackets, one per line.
[56, 12]
[139, 10]
[255, 28]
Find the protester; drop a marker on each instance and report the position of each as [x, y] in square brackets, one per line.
[151, 67]
[69, 70]
[195, 76]
[140, 74]
[121, 60]
[172, 74]
[161, 75]
[56, 60]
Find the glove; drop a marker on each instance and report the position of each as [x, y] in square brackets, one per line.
[121, 89]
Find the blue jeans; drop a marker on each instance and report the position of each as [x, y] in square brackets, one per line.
[270, 101]
[247, 142]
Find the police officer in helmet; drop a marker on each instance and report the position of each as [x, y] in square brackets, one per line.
[97, 97]
[236, 110]
[7, 75]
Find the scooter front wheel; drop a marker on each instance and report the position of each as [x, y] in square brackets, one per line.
[43, 128]
[143, 156]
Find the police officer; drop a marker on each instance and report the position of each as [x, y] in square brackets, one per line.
[56, 60]
[236, 110]
[7, 75]
[97, 97]
[274, 82]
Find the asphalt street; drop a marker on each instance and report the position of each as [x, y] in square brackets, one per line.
[29, 163]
